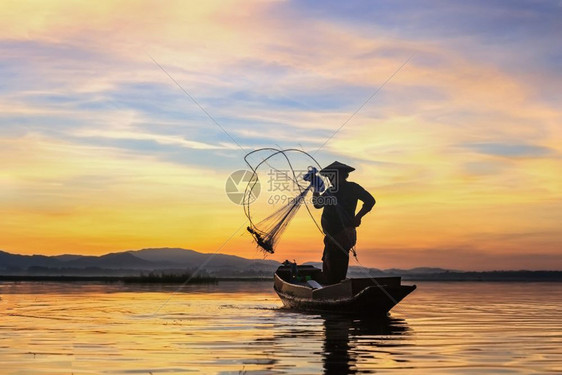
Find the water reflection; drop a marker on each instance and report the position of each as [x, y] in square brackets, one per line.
[348, 342]
[335, 344]
[56, 328]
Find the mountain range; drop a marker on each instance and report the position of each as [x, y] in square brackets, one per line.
[175, 260]
[136, 261]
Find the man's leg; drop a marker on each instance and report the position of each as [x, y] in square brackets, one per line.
[327, 263]
[346, 240]
[335, 260]
[340, 263]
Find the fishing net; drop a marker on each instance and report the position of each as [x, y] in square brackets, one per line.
[268, 231]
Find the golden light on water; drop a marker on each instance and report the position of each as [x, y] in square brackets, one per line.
[239, 326]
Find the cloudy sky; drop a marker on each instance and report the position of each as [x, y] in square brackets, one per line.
[101, 150]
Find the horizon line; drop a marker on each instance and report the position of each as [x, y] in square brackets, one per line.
[452, 270]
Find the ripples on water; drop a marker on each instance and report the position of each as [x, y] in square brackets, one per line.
[240, 328]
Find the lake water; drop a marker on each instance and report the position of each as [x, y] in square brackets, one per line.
[240, 328]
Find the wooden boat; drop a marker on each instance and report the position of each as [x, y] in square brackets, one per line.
[300, 288]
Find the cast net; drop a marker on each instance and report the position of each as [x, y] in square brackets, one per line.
[268, 231]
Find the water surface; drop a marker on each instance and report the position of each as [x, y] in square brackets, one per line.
[240, 328]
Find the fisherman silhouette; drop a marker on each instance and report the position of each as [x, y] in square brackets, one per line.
[339, 219]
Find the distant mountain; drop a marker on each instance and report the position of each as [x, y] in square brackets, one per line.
[66, 257]
[174, 256]
[127, 262]
[110, 261]
[133, 262]
[360, 271]
[417, 270]
[8, 260]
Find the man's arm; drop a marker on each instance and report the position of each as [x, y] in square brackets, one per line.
[316, 202]
[368, 203]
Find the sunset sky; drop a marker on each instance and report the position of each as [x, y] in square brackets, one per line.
[462, 148]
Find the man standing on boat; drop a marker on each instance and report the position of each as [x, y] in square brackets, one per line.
[339, 219]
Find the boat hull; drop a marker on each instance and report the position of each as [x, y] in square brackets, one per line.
[368, 296]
